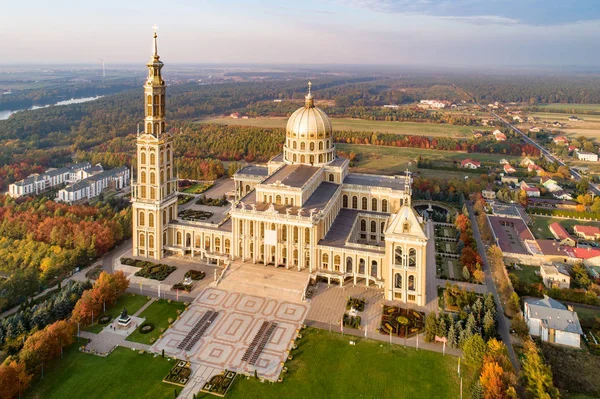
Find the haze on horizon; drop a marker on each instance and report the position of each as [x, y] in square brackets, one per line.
[458, 33]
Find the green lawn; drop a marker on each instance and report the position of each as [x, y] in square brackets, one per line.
[131, 302]
[197, 188]
[540, 224]
[326, 366]
[361, 125]
[123, 374]
[574, 107]
[527, 275]
[586, 315]
[158, 313]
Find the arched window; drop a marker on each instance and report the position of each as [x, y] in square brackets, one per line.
[373, 226]
[302, 159]
[302, 146]
[149, 128]
[374, 204]
[294, 145]
[382, 227]
[345, 201]
[295, 234]
[412, 257]
[143, 177]
[217, 244]
[320, 145]
[278, 199]
[179, 239]
[168, 155]
[374, 269]
[295, 158]
[363, 225]
[361, 266]
[152, 159]
[150, 220]
[227, 246]
[398, 281]
[247, 188]
[150, 241]
[384, 205]
[348, 265]
[325, 262]
[307, 235]
[143, 157]
[312, 146]
[312, 159]
[336, 263]
[207, 243]
[149, 100]
[331, 177]
[142, 219]
[398, 256]
[411, 283]
[364, 203]
[354, 202]
[152, 178]
[165, 216]
[142, 240]
[198, 242]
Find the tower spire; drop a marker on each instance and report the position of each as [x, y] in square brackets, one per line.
[155, 44]
[309, 102]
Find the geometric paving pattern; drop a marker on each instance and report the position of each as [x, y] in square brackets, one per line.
[239, 319]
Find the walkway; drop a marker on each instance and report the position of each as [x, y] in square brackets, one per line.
[140, 310]
[503, 323]
[106, 340]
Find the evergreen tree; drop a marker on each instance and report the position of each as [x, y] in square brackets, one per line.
[489, 325]
[431, 323]
[452, 339]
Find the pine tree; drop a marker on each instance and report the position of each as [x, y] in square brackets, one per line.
[452, 341]
[489, 325]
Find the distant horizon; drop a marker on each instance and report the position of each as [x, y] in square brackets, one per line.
[444, 33]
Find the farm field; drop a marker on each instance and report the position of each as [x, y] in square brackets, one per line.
[589, 127]
[540, 230]
[370, 369]
[394, 160]
[361, 125]
[586, 107]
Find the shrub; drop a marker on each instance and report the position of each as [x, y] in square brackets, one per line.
[145, 328]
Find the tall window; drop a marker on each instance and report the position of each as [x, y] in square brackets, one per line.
[412, 257]
[345, 201]
[307, 235]
[179, 238]
[374, 204]
[411, 283]
[152, 159]
[150, 220]
[398, 256]
[364, 203]
[374, 269]
[142, 240]
[336, 263]
[354, 202]
[325, 262]
[143, 157]
[363, 225]
[384, 206]
[361, 266]
[373, 226]
[398, 281]
[142, 221]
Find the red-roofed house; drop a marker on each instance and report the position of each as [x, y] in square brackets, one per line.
[533, 167]
[477, 135]
[509, 169]
[470, 164]
[587, 232]
[561, 234]
[560, 140]
[583, 253]
[499, 135]
[532, 191]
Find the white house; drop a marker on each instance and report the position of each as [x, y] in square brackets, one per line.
[95, 184]
[553, 322]
[555, 276]
[587, 156]
[38, 183]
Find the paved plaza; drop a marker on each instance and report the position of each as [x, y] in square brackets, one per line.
[239, 319]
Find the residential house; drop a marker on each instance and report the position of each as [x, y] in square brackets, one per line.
[556, 124]
[469, 164]
[534, 129]
[508, 169]
[488, 194]
[234, 115]
[553, 322]
[499, 135]
[517, 118]
[562, 195]
[477, 135]
[532, 192]
[550, 184]
[509, 179]
[555, 276]
[560, 140]
[94, 185]
[587, 232]
[534, 168]
[503, 161]
[526, 162]
[587, 156]
[551, 203]
[38, 183]
[561, 234]
[574, 118]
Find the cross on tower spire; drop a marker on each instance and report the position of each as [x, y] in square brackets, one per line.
[155, 28]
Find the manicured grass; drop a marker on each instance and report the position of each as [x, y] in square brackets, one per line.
[326, 366]
[123, 374]
[540, 224]
[575, 107]
[527, 275]
[197, 188]
[131, 302]
[361, 125]
[158, 313]
[394, 160]
[448, 263]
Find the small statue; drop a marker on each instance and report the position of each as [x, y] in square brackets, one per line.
[123, 314]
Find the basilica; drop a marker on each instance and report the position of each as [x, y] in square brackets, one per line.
[303, 211]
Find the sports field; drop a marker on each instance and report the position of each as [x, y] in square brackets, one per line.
[360, 125]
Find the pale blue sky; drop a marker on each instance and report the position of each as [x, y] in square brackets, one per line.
[409, 32]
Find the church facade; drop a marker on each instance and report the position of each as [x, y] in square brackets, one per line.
[302, 211]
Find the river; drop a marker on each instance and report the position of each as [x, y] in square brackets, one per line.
[5, 114]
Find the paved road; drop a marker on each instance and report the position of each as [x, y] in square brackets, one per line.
[115, 253]
[503, 323]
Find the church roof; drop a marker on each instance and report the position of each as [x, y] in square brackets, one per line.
[375, 181]
[292, 175]
[406, 222]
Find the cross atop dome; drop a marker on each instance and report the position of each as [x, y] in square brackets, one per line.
[309, 103]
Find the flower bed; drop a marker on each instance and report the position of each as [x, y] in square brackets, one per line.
[358, 304]
[156, 272]
[179, 374]
[352, 321]
[145, 328]
[220, 383]
[195, 274]
[212, 201]
[184, 199]
[401, 322]
[191, 214]
[183, 287]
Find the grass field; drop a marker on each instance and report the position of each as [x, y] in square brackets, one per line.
[540, 224]
[394, 160]
[527, 274]
[197, 188]
[588, 127]
[361, 125]
[131, 302]
[123, 374]
[158, 313]
[326, 366]
[586, 107]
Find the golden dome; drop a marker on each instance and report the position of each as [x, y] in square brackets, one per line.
[309, 121]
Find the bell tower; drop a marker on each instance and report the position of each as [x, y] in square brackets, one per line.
[154, 194]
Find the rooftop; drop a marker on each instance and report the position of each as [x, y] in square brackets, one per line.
[554, 314]
[254, 170]
[292, 175]
[342, 226]
[395, 183]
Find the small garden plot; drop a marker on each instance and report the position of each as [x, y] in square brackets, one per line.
[190, 187]
[156, 272]
[179, 374]
[352, 321]
[182, 287]
[455, 299]
[137, 262]
[355, 303]
[195, 274]
[220, 383]
[401, 322]
[192, 214]
[184, 199]
[212, 201]
[446, 232]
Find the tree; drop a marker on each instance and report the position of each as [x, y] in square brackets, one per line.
[452, 338]
[538, 376]
[466, 274]
[14, 379]
[489, 325]
[474, 349]
[492, 381]
[514, 303]
[580, 275]
[86, 308]
[430, 326]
